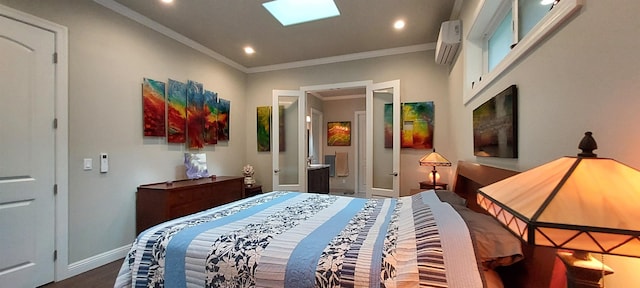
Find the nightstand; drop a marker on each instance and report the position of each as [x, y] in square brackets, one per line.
[429, 185]
[252, 189]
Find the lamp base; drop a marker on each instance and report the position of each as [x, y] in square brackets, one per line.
[583, 271]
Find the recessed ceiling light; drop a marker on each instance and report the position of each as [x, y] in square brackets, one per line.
[290, 12]
[167, 1]
[249, 50]
[398, 24]
[546, 2]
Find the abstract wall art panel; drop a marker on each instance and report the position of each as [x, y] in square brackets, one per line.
[339, 133]
[495, 126]
[417, 125]
[176, 112]
[195, 115]
[263, 115]
[224, 109]
[211, 117]
[153, 105]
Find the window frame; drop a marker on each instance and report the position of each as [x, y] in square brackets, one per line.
[476, 79]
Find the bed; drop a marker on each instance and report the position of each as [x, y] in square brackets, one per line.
[290, 239]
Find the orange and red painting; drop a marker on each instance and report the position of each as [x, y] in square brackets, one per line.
[195, 115]
[339, 133]
[153, 103]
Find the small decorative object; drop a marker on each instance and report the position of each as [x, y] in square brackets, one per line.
[248, 171]
[339, 133]
[196, 165]
[495, 126]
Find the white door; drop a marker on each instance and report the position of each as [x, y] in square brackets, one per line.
[26, 154]
[361, 153]
[383, 139]
[288, 140]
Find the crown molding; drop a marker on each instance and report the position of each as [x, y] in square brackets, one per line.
[135, 16]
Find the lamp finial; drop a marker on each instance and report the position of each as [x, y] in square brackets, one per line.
[587, 145]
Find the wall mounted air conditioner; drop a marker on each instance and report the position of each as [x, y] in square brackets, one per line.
[448, 42]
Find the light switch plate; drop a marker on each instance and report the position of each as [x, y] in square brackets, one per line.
[88, 164]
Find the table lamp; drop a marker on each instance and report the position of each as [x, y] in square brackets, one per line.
[584, 204]
[434, 159]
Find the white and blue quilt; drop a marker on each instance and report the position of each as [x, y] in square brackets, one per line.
[291, 239]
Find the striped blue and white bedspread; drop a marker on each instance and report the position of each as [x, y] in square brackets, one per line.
[290, 239]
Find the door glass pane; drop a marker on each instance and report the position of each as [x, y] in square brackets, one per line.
[288, 107]
[382, 161]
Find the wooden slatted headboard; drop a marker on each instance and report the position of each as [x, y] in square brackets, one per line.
[536, 270]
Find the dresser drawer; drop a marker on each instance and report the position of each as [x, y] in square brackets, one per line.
[159, 202]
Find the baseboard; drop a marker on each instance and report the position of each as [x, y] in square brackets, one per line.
[97, 261]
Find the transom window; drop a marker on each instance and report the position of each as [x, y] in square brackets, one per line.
[503, 31]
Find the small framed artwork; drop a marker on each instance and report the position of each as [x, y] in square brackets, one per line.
[495, 126]
[339, 133]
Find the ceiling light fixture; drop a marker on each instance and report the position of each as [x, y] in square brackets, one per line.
[167, 1]
[398, 24]
[249, 50]
[289, 12]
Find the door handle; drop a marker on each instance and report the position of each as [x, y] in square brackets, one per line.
[276, 171]
[394, 174]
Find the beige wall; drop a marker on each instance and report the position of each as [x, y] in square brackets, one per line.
[582, 78]
[109, 56]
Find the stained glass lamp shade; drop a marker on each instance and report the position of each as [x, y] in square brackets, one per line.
[583, 203]
[434, 159]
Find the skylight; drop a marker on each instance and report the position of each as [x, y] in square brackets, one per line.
[290, 12]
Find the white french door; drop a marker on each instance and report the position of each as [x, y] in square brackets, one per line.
[288, 140]
[383, 139]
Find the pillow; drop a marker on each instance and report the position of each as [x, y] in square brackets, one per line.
[495, 245]
[451, 197]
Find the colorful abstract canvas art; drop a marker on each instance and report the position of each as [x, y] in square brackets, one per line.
[211, 118]
[263, 115]
[417, 125]
[339, 133]
[153, 105]
[224, 108]
[495, 126]
[176, 112]
[195, 115]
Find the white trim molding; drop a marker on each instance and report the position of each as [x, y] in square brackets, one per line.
[135, 16]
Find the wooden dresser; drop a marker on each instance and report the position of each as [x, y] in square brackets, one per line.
[159, 202]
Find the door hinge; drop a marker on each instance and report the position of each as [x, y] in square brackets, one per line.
[55, 189]
[55, 255]
[55, 58]
[55, 123]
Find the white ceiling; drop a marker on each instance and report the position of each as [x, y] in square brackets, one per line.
[224, 27]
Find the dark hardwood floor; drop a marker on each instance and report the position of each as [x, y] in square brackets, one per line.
[101, 277]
